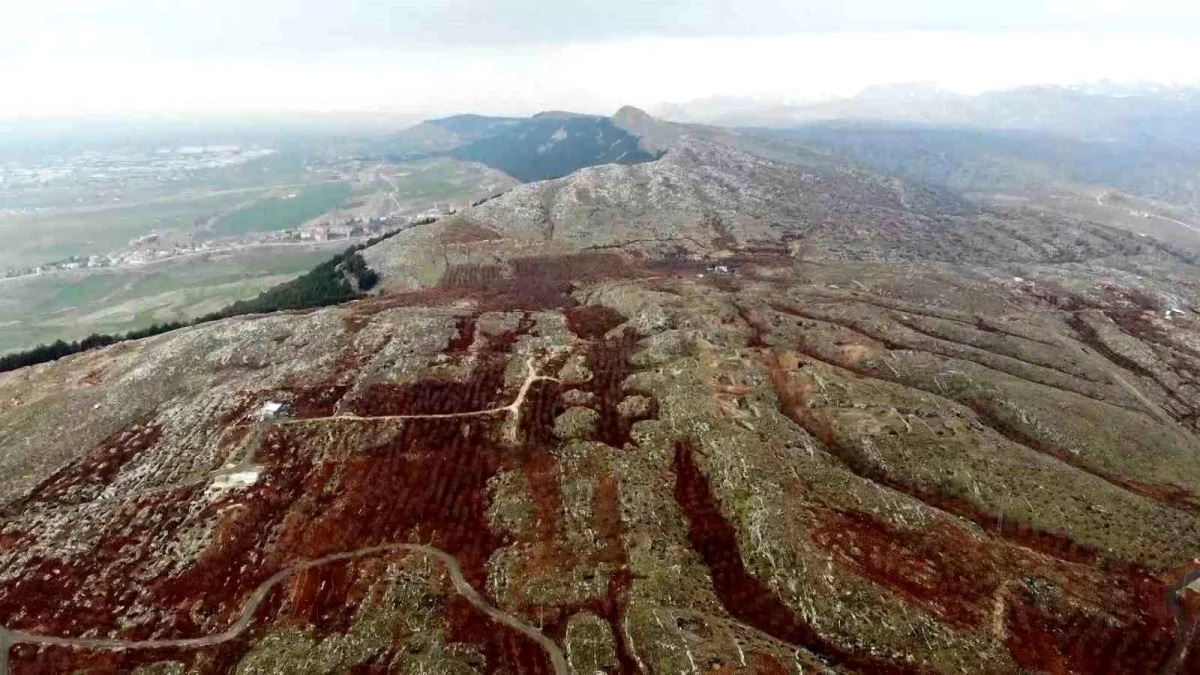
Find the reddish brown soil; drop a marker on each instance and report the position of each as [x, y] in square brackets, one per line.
[34, 660]
[757, 338]
[502, 343]
[484, 390]
[462, 232]
[325, 597]
[464, 337]
[537, 283]
[593, 321]
[535, 453]
[84, 477]
[308, 402]
[940, 570]
[506, 650]
[355, 323]
[765, 664]
[233, 562]
[608, 361]
[470, 276]
[1057, 635]
[745, 597]
[57, 597]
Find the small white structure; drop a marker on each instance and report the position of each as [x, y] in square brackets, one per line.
[233, 481]
[272, 410]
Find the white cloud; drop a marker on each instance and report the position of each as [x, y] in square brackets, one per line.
[69, 57]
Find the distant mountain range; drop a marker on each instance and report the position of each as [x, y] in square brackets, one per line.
[1103, 112]
[1139, 139]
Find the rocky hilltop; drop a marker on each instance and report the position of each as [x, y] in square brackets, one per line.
[715, 413]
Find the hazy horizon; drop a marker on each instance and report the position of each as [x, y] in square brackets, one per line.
[70, 58]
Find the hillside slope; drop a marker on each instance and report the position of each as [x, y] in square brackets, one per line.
[715, 413]
[705, 198]
[1010, 161]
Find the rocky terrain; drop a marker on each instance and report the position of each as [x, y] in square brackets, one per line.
[716, 413]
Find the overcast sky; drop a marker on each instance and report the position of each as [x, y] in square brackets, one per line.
[73, 57]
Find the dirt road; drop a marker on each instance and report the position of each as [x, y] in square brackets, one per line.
[9, 638]
[1183, 631]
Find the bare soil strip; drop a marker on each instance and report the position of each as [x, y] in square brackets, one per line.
[9, 638]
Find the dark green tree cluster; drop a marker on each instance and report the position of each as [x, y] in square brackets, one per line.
[59, 348]
[340, 279]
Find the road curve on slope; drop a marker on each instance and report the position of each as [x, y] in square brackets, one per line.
[1183, 632]
[8, 638]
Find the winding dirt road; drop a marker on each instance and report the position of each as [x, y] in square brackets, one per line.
[8, 638]
[514, 407]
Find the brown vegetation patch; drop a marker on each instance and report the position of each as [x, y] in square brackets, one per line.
[606, 504]
[483, 390]
[94, 376]
[1140, 325]
[758, 333]
[328, 597]
[308, 402]
[354, 323]
[234, 563]
[540, 283]
[1091, 338]
[503, 342]
[90, 591]
[1051, 631]
[609, 362]
[765, 664]
[464, 335]
[429, 484]
[541, 406]
[84, 478]
[943, 571]
[745, 597]
[463, 232]
[593, 321]
[471, 276]
[505, 650]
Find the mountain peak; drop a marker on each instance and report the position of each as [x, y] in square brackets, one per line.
[655, 135]
[561, 115]
[631, 113]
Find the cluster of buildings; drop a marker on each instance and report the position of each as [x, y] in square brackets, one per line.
[141, 256]
[354, 227]
[148, 249]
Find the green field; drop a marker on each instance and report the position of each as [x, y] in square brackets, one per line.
[442, 180]
[282, 213]
[42, 238]
[70, 306]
